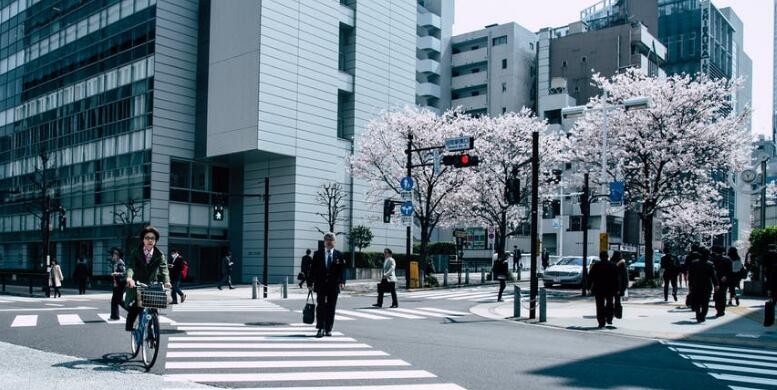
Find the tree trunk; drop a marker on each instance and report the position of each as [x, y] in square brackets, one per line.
[647, 230]
[501, 235]
[425, 233]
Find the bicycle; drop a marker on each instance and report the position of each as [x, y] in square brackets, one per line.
[145, 336]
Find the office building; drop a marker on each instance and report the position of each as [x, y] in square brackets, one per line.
[433, 54]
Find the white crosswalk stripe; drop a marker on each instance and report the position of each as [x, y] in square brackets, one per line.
[245, 306]
[736, 366]
[289, 355]
[476, 294]
[107, 318]
[69, 319]
[24, 320]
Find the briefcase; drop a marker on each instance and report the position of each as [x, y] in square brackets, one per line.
[309, 312]
[618, 310]
[769, 313]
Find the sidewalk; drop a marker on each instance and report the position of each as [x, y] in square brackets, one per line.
[646, 314]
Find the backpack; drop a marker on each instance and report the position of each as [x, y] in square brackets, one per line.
[185, 269]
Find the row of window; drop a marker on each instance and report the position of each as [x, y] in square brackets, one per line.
[187, 175]
[15, 8]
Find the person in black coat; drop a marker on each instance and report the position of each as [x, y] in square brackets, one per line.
[604, 286]
[119, 276]
[226, 270]
[671, 270]
[701, 282]
[623, 275]
[723, 271]
[175, 266]
[499, 271]
[304, 268]
[80, 275]
[327, 277]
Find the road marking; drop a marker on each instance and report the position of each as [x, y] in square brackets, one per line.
[285, 364]
[362, 315]
[422, 313]
[731, 349]
[477, 295]
[743, 388]
[731, 361]
[165, 320]
[451, 312]
[743, 370]
[745, 379]
[391, 312]
[429, 386]
[728, 354]
[322, 345]
[300, 376]
[25, 320]
[236, 354]
[229, 336]
[272, 337]
[52, 309]
[241, 327]
[107, 318]
[54, 304]
[69, 319]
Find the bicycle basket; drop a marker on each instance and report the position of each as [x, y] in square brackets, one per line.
[151, 297]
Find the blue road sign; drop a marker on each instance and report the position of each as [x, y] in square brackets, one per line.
[406, 209]
[616, 191]
[406, 183]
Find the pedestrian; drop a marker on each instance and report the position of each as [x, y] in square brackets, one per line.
[603, 279]
[682, 272]
[175, 266]
[701, 283]
[671, 271]
[327, 278]
[226, 270]
[146, 264]
[545, 259]
[388, 282]
[81, 275]
[517, 259]
[304, 267]
[499, 270]
[56, 277]
[722, 264]
[738, 273]
[119, 276]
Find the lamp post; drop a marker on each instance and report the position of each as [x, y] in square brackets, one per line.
[635, 103]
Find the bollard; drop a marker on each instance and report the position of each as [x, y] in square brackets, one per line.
[445, 278]
[482, 276]
[285, 288]
[517, 301]
[466, 276]
[31, 279]
[3, 282]
[543, 305]
[254, 288]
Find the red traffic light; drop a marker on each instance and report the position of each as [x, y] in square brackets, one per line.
[460, 160]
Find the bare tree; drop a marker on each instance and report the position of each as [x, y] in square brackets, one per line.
[332, 197]
[42, 204]
[126, 218]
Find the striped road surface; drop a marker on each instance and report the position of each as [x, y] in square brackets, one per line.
[418, 313]
[287, 357]
[739, 368]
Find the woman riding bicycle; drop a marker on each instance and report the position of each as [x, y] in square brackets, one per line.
[146, 264]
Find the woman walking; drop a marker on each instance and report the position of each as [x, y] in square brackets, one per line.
[388, 283]
[499, 270]
[737, 274]
[146, 264]
[56, 277]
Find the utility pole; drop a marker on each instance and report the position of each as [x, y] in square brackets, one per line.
[535, 170]
[763, 194]
[408, 238]
[266, 230]
[585, 206]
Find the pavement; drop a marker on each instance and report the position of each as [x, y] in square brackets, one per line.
[645, 314]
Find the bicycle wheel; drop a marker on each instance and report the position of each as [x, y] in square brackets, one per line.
[151, 342]
[135, 335]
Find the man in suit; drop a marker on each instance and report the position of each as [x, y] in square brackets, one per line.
[603, 279]
[226, 270]
[702, 281]
[327, 277]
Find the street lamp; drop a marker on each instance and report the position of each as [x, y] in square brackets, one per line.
[634, 103]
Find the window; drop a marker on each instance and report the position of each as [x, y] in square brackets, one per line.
[504, 87]
[475, 70]
[564, 64]
[499, 41]
[504, 110]
[474, 47]
[504, 63]
[531, 45]
[475, 93]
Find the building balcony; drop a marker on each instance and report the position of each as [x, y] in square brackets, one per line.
[469, 80]
[469, 57]
[646, 43]
[427, 19]
[427, 89]
[470, 103]
[345, 81]
[428, 43]
[427, 66]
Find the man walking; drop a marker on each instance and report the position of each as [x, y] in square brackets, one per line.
[176, 266]
[670, 276]
[327, 277]
[517, 259]
[226, 270]
[304, 267]
[604, 286]
[119, 276]
[723, 269]
[388, 282]
[80, 275]
[701, 282]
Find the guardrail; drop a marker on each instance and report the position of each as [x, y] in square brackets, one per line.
[18, 276]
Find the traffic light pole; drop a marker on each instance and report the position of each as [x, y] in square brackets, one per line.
[586, 210]
[408, 238]
[535, 169]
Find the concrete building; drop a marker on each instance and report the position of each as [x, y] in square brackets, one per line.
[177, 105]
[433, 54]
[493, 70]
[764, 148]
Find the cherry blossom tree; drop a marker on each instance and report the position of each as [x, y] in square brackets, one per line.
[668, 153]
[380, 159]
[690, 222]
[504, 145]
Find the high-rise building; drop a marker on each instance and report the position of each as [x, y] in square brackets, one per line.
[774, 77]
[152, 111]
[433, 70]
[493, 70]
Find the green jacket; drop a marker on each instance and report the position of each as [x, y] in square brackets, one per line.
[138, 270]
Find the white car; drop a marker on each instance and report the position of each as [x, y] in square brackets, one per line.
[568, 271]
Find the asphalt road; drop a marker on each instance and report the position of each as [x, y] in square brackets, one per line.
[430, 342]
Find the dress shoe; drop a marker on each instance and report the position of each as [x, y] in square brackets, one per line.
[231, 288]
[719, 314]
[675, 297]
[393, 306]
[114, 318]
[328, 334]
[376, 305]
[219, 287]
[737, 299]
[183, 298]
[173, 303]
[320, 334]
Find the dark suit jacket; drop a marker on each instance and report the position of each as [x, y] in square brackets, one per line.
[701, 278]
[175, 272]
[324, 280]
[604, 279]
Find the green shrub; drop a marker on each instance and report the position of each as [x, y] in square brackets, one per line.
[644, 283]
[431, 281]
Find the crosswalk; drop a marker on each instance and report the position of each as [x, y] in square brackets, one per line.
[740, 368]
[229, 354]
[70, 319]
[476, 294]
[245, 306]
[418, 313]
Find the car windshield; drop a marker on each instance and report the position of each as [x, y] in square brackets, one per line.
[571, 261]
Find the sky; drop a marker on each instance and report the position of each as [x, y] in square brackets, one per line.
[756, 15]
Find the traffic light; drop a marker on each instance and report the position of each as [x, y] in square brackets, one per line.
[460, 160]
[388, 209]
[513, 191]
[218, 212]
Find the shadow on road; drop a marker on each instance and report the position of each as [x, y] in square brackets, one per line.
[108, 362]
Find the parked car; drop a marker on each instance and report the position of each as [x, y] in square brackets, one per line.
[568, 271]
[637, 268]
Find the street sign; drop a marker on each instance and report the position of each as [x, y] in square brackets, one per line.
[460, 233]
[406, 183]
[406, 209]
[616, 191]
[556, 223]
[407, 195]
[407, 220]
[459, 143]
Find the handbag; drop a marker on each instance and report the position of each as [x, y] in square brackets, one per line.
[309, 312]
[769, 313]
[301, 276]
[618, 310]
